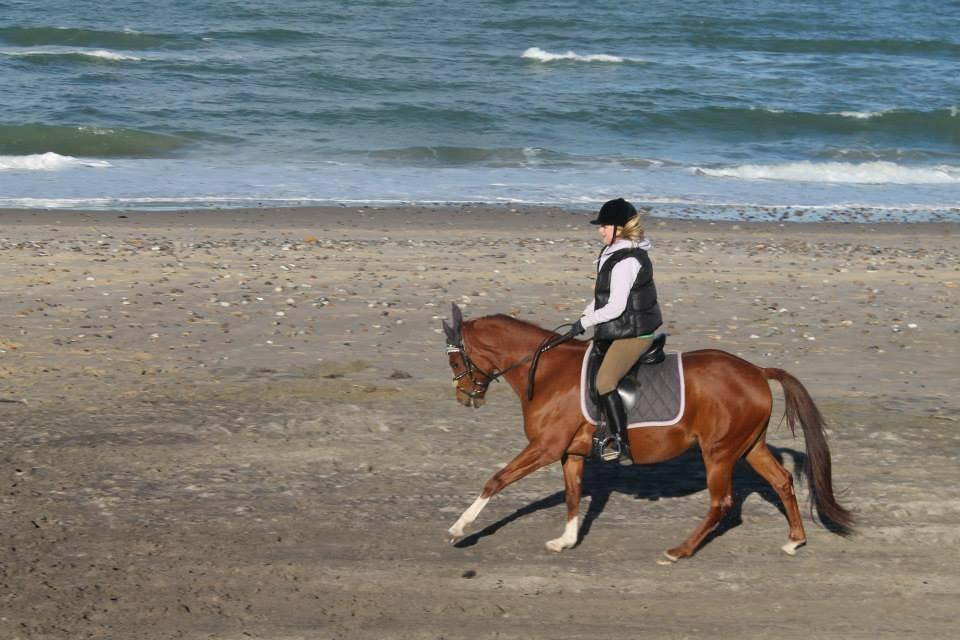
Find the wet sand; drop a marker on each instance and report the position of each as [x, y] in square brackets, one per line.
[232, 424]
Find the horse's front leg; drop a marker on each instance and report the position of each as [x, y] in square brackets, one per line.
[529, 460]
[572, 481]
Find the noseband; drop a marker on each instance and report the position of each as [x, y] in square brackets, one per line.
[479, 386]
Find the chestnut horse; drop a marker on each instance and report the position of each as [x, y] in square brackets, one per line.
[727, 410]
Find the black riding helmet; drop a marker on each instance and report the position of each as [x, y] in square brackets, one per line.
[616, 212]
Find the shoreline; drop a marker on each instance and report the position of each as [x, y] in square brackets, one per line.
[492, 214]
[736, 213]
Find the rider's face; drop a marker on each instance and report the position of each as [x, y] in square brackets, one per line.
[606, 232]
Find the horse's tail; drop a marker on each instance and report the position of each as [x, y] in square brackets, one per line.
[801, 409]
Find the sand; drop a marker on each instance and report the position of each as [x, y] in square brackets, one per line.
[235, 424]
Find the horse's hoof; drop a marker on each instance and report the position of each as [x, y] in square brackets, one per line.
[667, 559]
[792, 545]
[454, 536]
[556, 545]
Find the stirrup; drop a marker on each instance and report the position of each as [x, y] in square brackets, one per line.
[609, 450]
[605, 447]
[613, 449]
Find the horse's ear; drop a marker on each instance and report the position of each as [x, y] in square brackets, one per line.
[452, 338]
[457, 318]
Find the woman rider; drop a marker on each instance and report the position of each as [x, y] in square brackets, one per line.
[624, 313]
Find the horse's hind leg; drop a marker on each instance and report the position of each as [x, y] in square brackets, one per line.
[572, 478]
[529, 460]
[763, 462]
[720, 484]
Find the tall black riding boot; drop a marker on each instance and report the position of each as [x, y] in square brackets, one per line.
[616, 415]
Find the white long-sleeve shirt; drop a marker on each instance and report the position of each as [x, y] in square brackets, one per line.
[622, 277]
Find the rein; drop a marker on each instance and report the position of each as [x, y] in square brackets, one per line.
[546, 345]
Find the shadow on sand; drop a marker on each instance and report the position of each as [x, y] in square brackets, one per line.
[681, 476]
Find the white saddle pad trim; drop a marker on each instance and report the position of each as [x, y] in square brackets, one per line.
[585, 389]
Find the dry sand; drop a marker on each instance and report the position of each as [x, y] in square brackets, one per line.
[240, 424]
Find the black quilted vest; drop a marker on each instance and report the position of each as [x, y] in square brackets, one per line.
[642, 314]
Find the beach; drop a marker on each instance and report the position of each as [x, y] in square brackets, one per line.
[240, 423]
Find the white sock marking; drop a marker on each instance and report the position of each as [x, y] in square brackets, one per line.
[792, 545]
[467, 517]
[569, 537]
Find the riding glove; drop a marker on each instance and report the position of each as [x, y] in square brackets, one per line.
[575, 329]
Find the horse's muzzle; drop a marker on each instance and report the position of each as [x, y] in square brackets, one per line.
[474, 400]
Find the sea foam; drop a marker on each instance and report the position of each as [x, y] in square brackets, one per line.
[68, 52]
[859, 115]
[839, 172]
[539, 55]
[108, 55]
[47, 162]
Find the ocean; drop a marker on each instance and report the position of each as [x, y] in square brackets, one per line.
[762, 109]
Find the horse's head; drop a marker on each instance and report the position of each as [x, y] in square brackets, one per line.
[470, 380]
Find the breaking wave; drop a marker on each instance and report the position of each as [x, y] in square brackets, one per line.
[539, 55]
[47, 162]
[71, 55]
[839, 172]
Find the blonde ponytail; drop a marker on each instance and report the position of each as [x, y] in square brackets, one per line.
[632, 230]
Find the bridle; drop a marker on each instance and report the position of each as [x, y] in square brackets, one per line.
[469, 367]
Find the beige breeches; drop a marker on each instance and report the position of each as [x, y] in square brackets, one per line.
[620, 357]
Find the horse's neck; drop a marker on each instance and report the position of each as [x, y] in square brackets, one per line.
[509, 345]
[505, 340]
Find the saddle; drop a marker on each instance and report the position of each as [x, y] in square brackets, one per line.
[652, 391]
